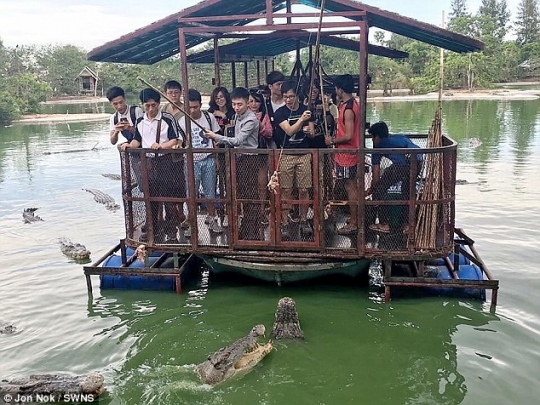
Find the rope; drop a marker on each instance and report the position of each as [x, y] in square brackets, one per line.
[273, 183]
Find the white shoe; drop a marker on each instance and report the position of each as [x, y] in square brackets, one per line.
[225, 222]
[214, 226]
[208, 219]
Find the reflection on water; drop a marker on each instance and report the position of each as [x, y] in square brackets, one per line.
[357, 349]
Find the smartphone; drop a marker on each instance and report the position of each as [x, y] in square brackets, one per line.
[123, 120]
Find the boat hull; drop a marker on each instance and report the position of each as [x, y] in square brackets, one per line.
[287, 272]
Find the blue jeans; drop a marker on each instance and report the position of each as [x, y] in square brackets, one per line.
[205, 173]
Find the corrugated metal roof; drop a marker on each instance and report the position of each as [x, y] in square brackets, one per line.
[159, 40]
[269, 45]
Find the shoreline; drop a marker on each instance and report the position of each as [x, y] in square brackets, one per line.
[501, 94]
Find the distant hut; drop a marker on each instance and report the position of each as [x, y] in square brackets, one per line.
[87, 81]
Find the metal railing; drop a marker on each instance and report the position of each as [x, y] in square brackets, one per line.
[216, 201]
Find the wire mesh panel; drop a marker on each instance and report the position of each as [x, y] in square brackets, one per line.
[206, 212]
[342, 180]
[296, 215]
[200, 200]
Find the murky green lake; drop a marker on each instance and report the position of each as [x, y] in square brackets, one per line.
[358, 350]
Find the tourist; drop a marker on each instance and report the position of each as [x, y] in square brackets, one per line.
[125, 116]
[294, 132]
[258, 106]
[173, 90]
[397, 174]
[158, 130]
[347, 137]
[221, 108]
[204, 164]
[274, 101]
[246, 136]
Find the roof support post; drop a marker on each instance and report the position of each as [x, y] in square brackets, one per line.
[233, 74]
[217, 78]
[269, 13]
[362, 78]
[192, 206]
[289, 10]
[246, 79]
[362, 97]
[258, 66]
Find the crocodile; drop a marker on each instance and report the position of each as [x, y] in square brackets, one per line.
[235, 359]
[7, 328]
[102, 198]
[56, 385]
[74, 250]
[112, 176]
[461, 182]
[286, 323]
[29, 216]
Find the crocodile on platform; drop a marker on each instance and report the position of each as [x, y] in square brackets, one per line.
[74, 250]
[29, 216]
[235, 359]
[56, 385]
[102, 198]
[286, 323]
[7, 328]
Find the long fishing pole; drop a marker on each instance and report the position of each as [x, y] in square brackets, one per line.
[315, 61]
[173, 103]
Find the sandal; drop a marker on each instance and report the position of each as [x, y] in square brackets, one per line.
[347, 229]
[383, 228]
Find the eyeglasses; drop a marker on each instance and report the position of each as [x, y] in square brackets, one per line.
[289, 97]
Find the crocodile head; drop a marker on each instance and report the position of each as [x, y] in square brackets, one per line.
[235, 359]
[286, 324]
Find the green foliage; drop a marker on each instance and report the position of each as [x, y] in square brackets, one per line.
[527, 22]
[459, 9]
[28, 74]
[60, 66]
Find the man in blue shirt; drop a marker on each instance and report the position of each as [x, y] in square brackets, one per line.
[398, 172]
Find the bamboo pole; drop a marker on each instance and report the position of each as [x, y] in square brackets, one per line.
[173, 103]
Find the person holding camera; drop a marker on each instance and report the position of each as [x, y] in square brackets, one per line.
[123, 120]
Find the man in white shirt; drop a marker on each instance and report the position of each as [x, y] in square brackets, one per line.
[122, 122]
[159, 130]
[204, 164]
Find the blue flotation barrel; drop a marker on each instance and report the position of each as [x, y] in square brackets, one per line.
[466, 272]
[122, 282]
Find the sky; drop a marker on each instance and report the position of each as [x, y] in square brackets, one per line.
[91, 23]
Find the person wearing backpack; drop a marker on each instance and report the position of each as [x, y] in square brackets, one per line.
[122, 122]
[273, 102]
[173, 90]
[204, 164]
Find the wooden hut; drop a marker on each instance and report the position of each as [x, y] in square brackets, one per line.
[87, 81]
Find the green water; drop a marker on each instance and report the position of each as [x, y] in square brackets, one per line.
[358, 350]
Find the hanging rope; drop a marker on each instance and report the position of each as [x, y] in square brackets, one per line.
[273, 183]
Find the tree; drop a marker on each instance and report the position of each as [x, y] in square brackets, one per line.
[60, 65]
[494, 19]
[527, 22]
[459, 9]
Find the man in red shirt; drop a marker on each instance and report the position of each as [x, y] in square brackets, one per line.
[347, 137]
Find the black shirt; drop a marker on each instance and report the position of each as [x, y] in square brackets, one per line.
[299, 139]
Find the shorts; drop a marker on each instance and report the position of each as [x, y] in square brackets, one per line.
[295, 170]
[346, 172]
